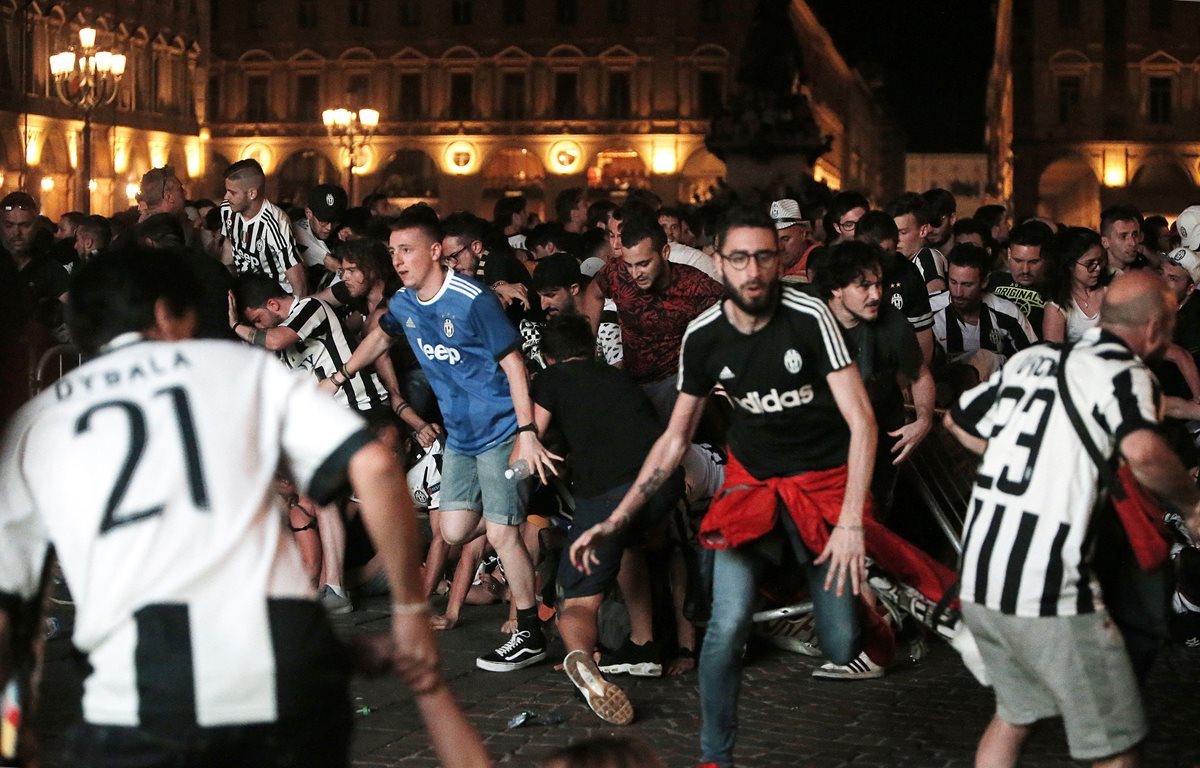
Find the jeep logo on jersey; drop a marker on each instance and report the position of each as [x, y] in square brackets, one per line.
[776, 401]
[448, 328]
[897, 301]
[792, 361]
[439, 352]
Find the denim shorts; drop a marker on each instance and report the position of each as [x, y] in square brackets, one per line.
[477, 484]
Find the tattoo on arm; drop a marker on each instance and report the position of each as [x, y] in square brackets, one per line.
[653, 483]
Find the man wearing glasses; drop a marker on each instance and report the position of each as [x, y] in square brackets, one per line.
[802, 439]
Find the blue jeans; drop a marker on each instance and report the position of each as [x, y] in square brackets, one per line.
[735, 581]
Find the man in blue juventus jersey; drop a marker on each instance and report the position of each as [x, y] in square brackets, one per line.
[472, 357]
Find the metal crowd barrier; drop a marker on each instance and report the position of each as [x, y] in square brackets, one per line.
[943, 471]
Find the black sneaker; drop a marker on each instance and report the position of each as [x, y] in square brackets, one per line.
[523, 649]
[630, 659]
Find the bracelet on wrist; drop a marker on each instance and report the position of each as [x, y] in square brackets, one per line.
[401, 407]
[527, 428]
[411, 609]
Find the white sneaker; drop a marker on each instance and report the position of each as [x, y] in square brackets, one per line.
[608, 701]
[860, 668]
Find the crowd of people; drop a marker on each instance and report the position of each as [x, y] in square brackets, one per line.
[690, 412]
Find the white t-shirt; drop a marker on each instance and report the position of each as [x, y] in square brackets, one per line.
[685, 254]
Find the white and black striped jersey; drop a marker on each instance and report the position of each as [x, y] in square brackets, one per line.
[323, 350]
[1025, 542]
[262, 245]
[1002, 327]
[150, 469]
[931, 263]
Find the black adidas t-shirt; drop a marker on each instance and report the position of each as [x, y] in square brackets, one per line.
[904, 289]
[884, 348]
[785, 420]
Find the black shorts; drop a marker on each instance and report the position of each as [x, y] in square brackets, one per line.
[594, 510]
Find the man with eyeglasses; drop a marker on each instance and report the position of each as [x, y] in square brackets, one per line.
[801, 443]
[464, 251]
[41, 279]
[656, 299]
[844, 212]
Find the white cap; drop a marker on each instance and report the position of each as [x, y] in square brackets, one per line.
[1189, 260]
[1188, 226]
[786, 213]
[591, 266]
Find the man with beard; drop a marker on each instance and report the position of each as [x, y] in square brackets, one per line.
[559, 284]
[943, 213]
[656, 299]
[802, 435]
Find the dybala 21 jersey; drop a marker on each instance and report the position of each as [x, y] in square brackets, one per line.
[150, 470]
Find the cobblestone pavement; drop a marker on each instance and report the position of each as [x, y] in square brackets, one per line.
[927, 714]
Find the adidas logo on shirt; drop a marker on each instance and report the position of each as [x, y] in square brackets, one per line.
[776, 401]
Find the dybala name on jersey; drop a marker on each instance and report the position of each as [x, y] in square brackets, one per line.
[142, 368]
[776, 401]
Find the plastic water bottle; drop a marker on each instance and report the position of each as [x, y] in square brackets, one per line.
[518, 471]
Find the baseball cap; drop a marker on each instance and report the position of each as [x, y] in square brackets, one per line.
[786, 213]
[1188, 226]
[1189, 260]
[22, 200]
[591, 265]
[557, 271]
[328, 202]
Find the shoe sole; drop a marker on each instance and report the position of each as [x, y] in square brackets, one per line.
[873, 674]
[510, 666]
[608, 701]
[644, 669]
[338, 610]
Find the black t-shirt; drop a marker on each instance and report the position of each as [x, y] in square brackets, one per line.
[1187, 326]
[503, 266]
[1031, 301]
[882, 349]
[904, 289]
[608, 422]
[785, 420]
[43, 280]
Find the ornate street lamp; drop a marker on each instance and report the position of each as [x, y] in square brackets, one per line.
[350, 130]
[85, 81]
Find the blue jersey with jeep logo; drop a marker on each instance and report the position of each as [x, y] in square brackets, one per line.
[459, 336]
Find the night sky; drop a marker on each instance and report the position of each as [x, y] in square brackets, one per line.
[932, 56]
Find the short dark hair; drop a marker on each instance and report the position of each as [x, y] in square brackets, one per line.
[161, 230]
[671, 212]
[973, 226]
[910, 203]
[253, 291]
[598, 210]
[565, 202]
[971, 256]
[559, 270]
[875, 227]
[1031, 233]
[635, 229]
[544, 234]
[116, 293]
[505, 208]
[74, 218]
[941, 203]
[419, 216]
[990, 215]
[246, 170]
[1115, 213]
[844, 202]
[97, 228]
[568, 335]
[465, 226]
[737, 217]
[154, 183]
[840, 265]
[635, 209]
[591, 243]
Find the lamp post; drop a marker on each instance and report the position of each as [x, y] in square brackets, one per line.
[350, 130]
[85, 81]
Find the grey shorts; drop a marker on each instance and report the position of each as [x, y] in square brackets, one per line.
[478, 484]
[1074, 667]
